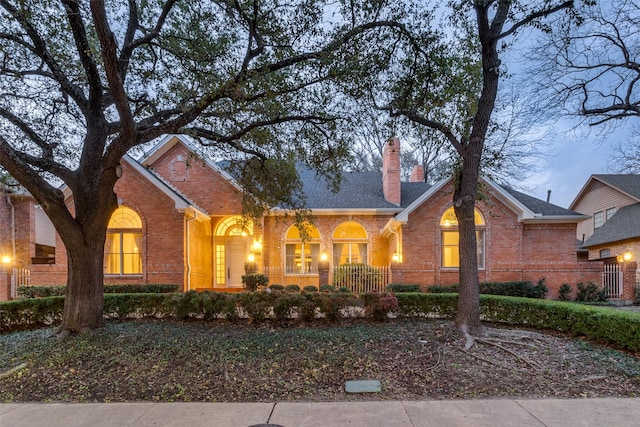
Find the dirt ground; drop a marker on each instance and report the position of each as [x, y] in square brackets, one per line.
[200, 361]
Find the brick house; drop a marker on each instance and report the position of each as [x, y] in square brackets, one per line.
[179, 222]
[611, 234]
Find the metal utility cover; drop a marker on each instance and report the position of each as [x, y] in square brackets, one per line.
[363, 386]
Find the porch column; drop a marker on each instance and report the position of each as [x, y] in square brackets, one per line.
[323, 273]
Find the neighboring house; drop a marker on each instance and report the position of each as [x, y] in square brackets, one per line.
[179, 221]
[612, 233]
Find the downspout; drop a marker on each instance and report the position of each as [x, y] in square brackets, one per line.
[188, 244]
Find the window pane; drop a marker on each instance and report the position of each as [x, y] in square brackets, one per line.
[350, 230]
[450, 249]
[598, 219]
[292, 258]
[340, 254]
[480, 243]
[112, 254]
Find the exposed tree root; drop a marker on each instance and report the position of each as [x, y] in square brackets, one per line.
[503, 348]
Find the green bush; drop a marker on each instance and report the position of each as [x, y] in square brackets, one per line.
[327, 288]
[310, 288]
[611, 326]
[402, 287]
[254, 280]
[292, 288]
[276, 287]
[47, 291]
[564, 292]
[590, 293]
[637, 299]
[378, 306]
[422, 304]
[344, 290]
[442, 289]
[514, 289]
[30, 313]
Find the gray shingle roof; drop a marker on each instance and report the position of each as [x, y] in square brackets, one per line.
[539, 206]
[625, 224]
[629, 183]
[358, 190]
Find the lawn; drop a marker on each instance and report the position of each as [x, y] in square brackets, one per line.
[219, 361]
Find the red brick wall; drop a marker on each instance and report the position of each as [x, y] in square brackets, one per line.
[513, 250]
[202, 185]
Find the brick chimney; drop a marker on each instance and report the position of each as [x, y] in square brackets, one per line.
[417, 174]
[391, 171]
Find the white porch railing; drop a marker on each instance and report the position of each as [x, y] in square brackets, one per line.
[358, 278]
[612, 281]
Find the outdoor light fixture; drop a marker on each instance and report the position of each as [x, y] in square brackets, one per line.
[251, 258]
[397, 257]
[6, 259]
[626, 256]
[257, 246]
[323, 256]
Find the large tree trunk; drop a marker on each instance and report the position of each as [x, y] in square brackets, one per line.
[468, 314]
[84, 302]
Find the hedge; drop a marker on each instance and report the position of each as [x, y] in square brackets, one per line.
[514, 289]
[616, 327]
[49, 291]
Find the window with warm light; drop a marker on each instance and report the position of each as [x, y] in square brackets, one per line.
[301, 257]
[451, 239]
[350, 244]
[122, 251]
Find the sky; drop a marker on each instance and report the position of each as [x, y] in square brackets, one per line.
[573, 161]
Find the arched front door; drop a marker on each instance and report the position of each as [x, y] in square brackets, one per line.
[232, 240]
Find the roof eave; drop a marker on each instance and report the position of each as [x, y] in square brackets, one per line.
[344, 211]
[555, 219]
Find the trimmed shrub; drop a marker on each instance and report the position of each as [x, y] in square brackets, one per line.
[514, 289]
[310, 288]
[564, 292]
[344, 290]
[276, 287]
[590, 293]
[423, 304]
[285, 304]
[403, 287]
[47, 291]
[377, 306]
[292, 288]
[30, 313]
[441, 289]
[327, 288]
[611, 326]
[254, 280]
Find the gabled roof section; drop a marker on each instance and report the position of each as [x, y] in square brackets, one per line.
[528, 209]
[358, 191]
[623, 225]
[628, 184]
[180, 201]
[169, 141]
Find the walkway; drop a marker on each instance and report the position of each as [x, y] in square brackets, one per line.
[476, 413]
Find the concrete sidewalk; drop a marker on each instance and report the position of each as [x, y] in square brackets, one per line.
[477, 413]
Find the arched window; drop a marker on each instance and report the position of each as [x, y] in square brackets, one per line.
[124, 242]
[302, 257]
[349, 244]
[451, 238]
